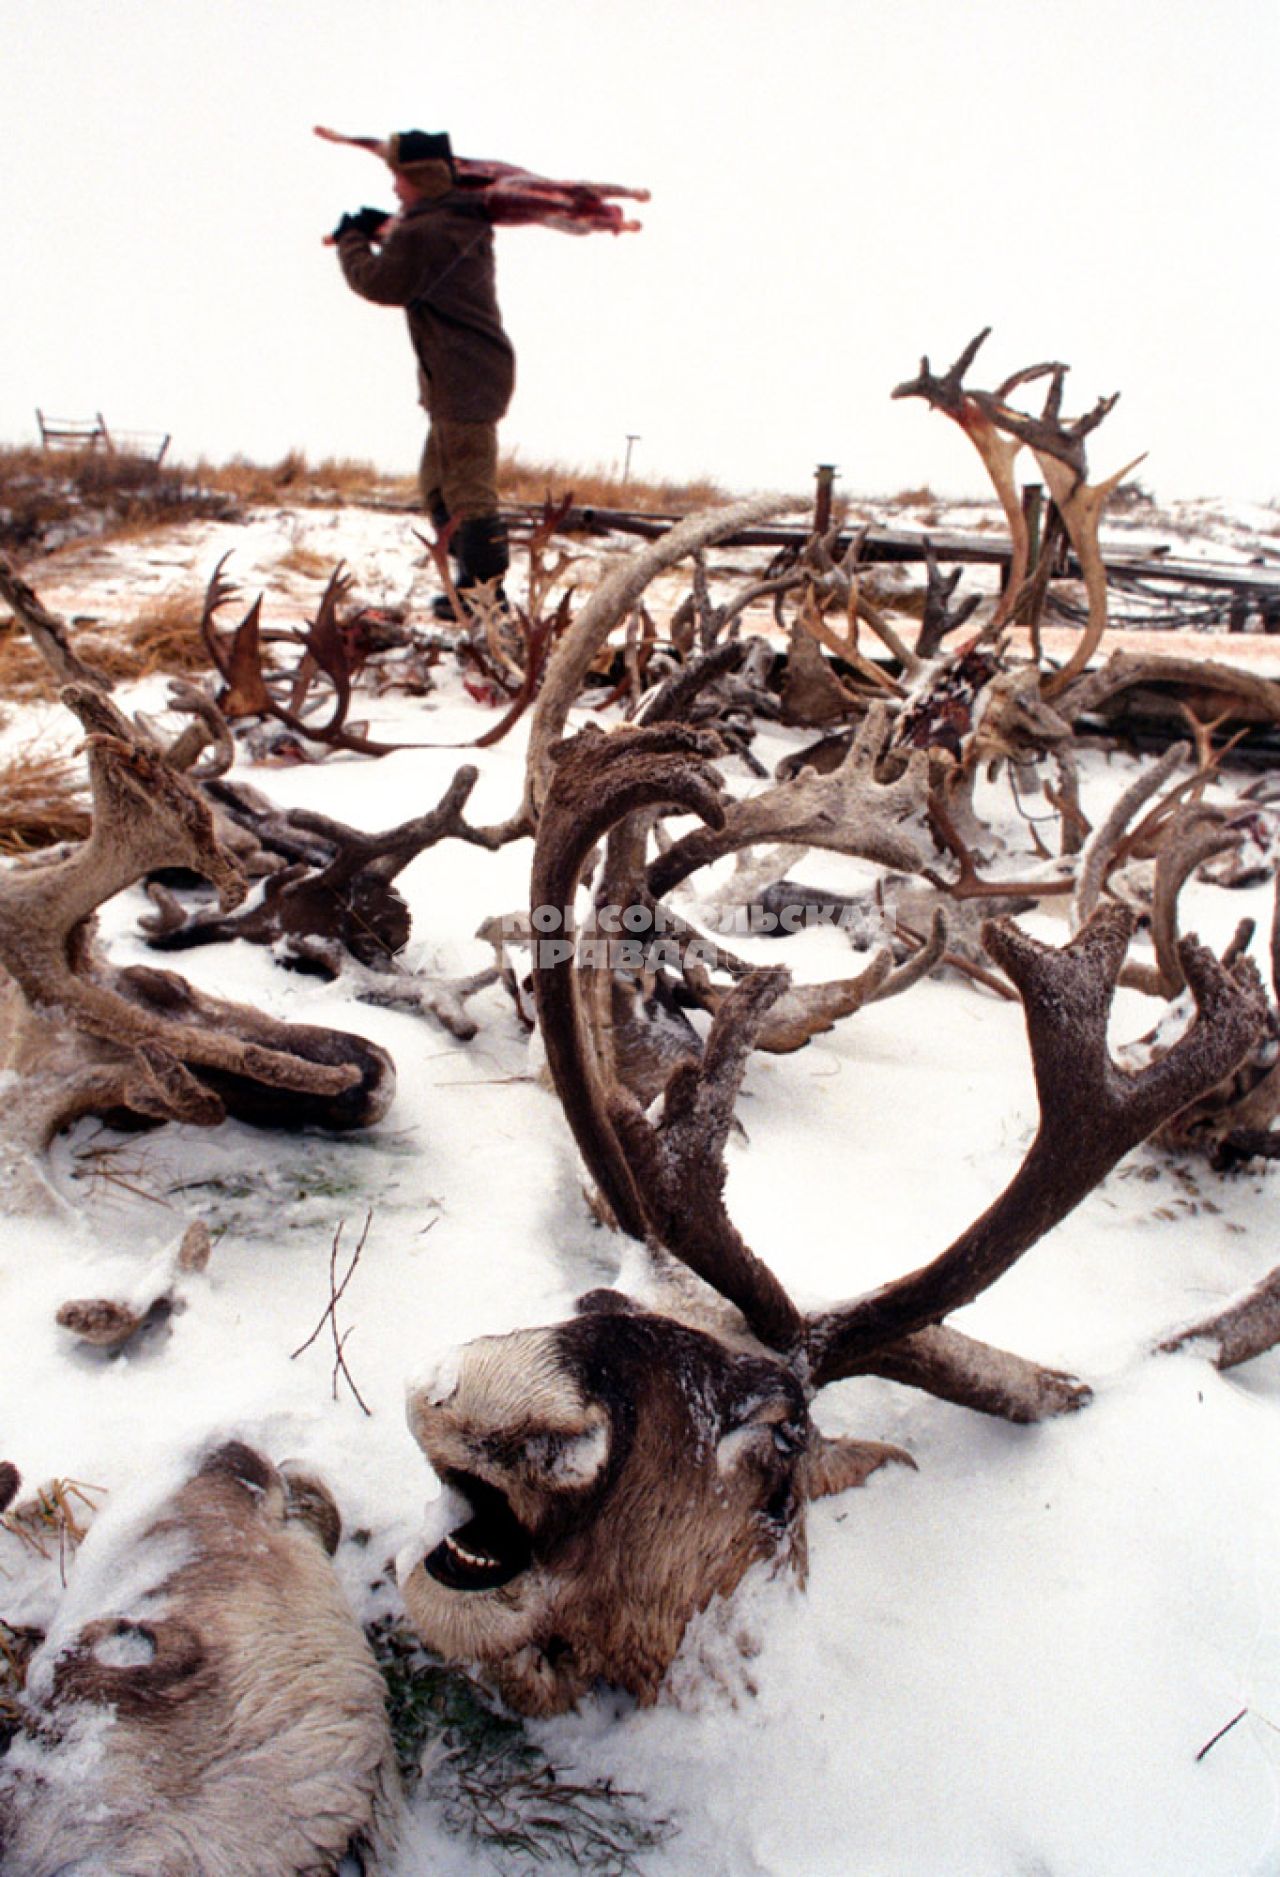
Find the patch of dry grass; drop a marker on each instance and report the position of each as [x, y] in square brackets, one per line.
[596, 487]
[50, 498]
[72, 494]
[309, 563]
[161, 636]
[294, 479]
[165, 636]
[43, 800]
[24, 676]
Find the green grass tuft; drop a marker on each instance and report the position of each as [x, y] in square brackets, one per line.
[490, 1783]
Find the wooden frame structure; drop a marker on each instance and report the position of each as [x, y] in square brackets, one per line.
[91, 433]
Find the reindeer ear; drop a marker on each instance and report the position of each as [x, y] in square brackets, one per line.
[606, 1303]
[832, 1466]
[309, 1501]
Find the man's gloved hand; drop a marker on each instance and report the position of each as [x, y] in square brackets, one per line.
[368, 223]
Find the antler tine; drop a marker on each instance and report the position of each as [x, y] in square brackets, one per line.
[944, 393]
[1092, 1113]
[849, 811]
[1027, 375]
[661, 1182]
[324, 640]
[809, 1010]
[971, 410]
[208, 731]
[679, 1164]
[216, 595]
[48, 633]
[1100, 850]
[1196, 835]
[381, 856]
[610, 603]
[1046, 434]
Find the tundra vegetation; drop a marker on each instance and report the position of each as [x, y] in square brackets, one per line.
[607, 1478]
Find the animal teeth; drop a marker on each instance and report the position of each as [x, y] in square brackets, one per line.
[469, 1557]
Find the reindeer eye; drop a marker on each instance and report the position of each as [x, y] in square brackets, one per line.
[570, 1460]
[786, 1438]
[125, 1645]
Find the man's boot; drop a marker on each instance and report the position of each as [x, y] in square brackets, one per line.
[480, 546]
[482, 553]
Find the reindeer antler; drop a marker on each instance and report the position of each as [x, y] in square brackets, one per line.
[849, 811]
[999, 431]
[1091, 1114]
[87, 1037]
[615, 597]
[998, 451]
[662, 1182]
[665, 1181]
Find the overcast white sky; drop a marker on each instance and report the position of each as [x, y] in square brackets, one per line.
[838, 186]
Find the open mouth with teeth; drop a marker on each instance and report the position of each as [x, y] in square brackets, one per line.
[488, 1549]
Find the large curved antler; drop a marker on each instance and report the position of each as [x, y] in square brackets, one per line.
[1091, 1114]
[665, 1180]
[661, 1182]
[606, 609]
[998, 451]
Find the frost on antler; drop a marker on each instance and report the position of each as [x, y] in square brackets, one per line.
[850, 811]
[1092, 1112]
[83, 1036]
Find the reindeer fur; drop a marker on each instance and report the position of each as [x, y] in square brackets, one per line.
[223, 1721]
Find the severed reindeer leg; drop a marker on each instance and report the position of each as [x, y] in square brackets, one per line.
[113, 1323]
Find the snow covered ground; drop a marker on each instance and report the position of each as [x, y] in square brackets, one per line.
[1004, 1665]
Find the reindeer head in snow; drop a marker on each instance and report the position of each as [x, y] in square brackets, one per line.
[604, 1479]
[607, 1477]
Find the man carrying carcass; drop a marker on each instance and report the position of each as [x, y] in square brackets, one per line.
[435, 259]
